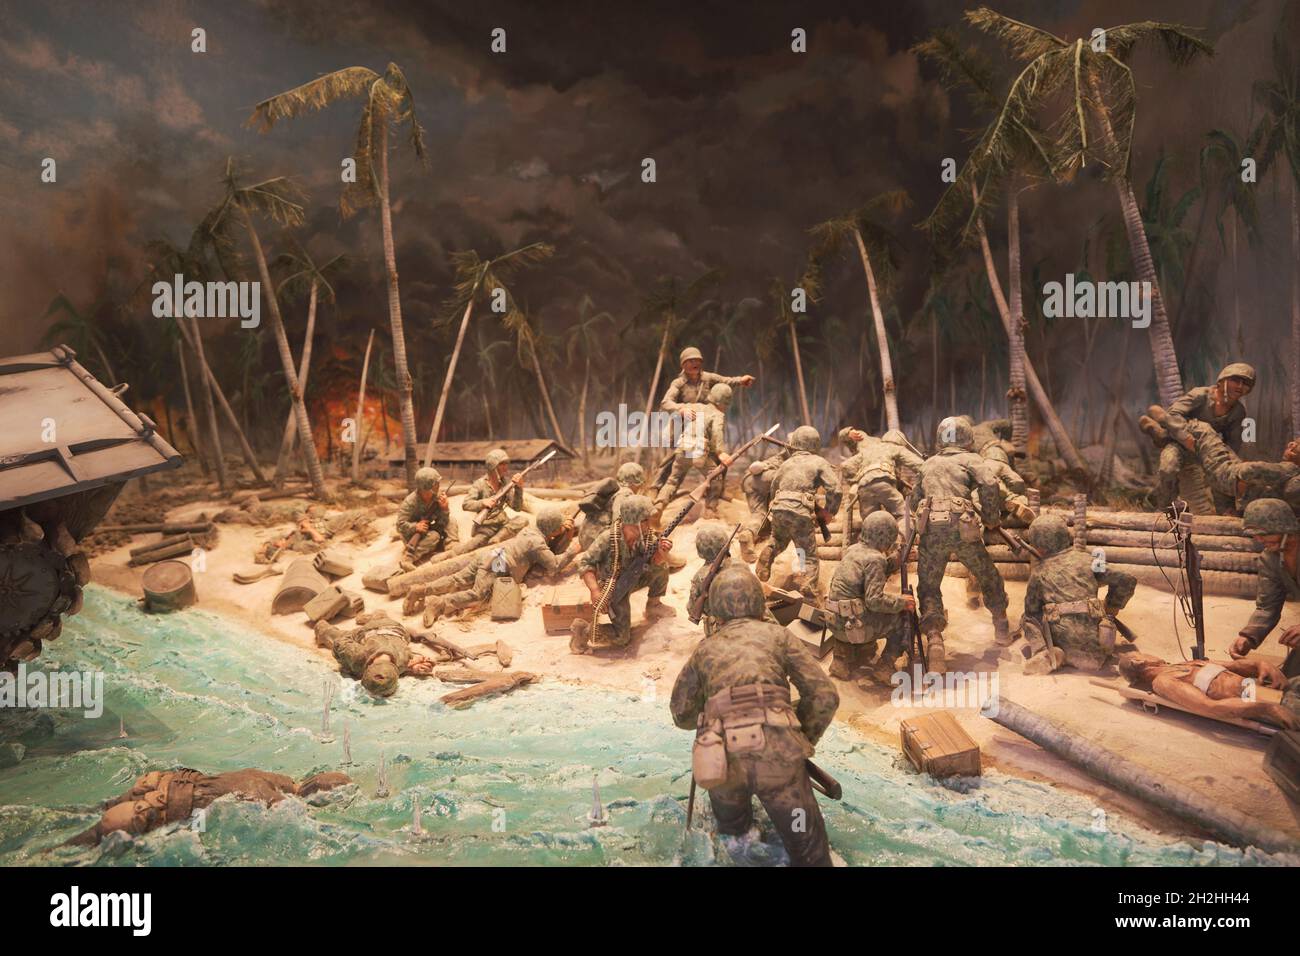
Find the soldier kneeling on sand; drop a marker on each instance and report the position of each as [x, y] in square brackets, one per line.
[601, 504]
[734, 692]
[710, 539]
[862, 612]
[1064, 622]
[424, 521]
[376, 652]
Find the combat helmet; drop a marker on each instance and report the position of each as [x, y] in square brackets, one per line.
[1049, 534]
[735, 592]
[956, 432]
[1238, 370]
[688, 353]
[380, 678]
[879, 531]
[720, 395]
[1269, 516]
[630, 475]
[635, 509]
[806, 438]
[549, 522]
[495, 457]
[426, 479]
[709, 540]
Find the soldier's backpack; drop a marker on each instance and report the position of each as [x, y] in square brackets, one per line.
[507, 602]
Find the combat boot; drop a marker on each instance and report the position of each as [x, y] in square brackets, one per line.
[1001, 628]
[413, 603]
[842, 661]
[934, 655]
[433, 610]
[1151, 425]
[748, 552]
[763, 567]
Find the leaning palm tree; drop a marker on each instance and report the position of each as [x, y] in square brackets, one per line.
[879, 250]
[274, 199]
[1092, 79]
[388, 103]
[1278, 135]
[475, 276]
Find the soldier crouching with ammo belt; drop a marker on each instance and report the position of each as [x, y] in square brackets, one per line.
[750, 741]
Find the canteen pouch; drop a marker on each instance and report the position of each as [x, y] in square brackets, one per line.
[507, 602]
[923, 516]
[1106, 634]
[709, 759]
[744, 731]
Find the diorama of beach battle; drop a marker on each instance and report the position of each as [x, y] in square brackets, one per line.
[596, 434]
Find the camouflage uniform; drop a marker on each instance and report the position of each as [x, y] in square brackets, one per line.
[703, 443]
[599, 507]
[600, 559]
[498, 527]
[862, 611]
[949, 526]
[877, 469]
[747, 656]
[709, 540]
[1230, 477]
[443, 535]
[1198, 405]
[757, 486]
[1061, 599]
[1276, 584]
[356, 649]
[794, 498]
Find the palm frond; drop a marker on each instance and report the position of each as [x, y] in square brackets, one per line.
[314, 95]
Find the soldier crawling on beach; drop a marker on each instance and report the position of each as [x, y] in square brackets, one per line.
[376, 652]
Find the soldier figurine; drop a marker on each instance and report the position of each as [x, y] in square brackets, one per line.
[1064, 623]
[996, 452]
[757, 486]
[425, 512]
[693, 385]
[703, 445]
[879, 468]
[709, 540]
[863, 613]
[794, 508]
[1219, 406]
[734, 692]
[377, 651]
[600, 565]
[497, 526]
[943, 500]
[1273, 524]
[544, 547]
[1232, 478]
[599, 507]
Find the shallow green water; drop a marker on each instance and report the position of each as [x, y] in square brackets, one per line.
[505, 782]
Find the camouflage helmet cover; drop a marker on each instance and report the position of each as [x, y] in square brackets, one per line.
[495, 457]
[956, 432]
[879, 531]
[806, 438]
[735, 592]
[1049, 534]
[709, 540]
[549, 521]
[1269, 516]
[380, 678]
[426, 479]
[720, 395]
[1238, 370]
[630, 474]
[635, 509]
[688, 353]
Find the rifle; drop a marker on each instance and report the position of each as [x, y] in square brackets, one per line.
[499, 496]
[911, 622]
[690, 804]
[640, 560]
[823, 782]
[419, 535]
[1181, 523]
[776, 441]
[696, 610]
[1017, 543]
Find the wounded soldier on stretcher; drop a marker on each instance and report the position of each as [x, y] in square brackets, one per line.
[1215, 689]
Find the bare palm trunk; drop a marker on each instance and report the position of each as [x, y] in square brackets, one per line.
[189, 408]
[798, 371]
[1110, 424]
[451, 370]
[394, 314]
[1064, 444]
[882, 339]
[209, 387]
[582, 413]
[314, 473]
[196, 344]
[1017, 405]
[546, 392]
[654, 383]
[361, 408]
[291, 423]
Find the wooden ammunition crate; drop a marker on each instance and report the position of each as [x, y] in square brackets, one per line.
[566, 603]
[936, 744]
[816, 639]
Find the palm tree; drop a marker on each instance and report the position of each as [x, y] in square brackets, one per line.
[1278, 134]
[876, 244]
[1101, 84]
[474, 276]
[786, 318]
[313, 280]
[1224, 192]
[276, 199]
[582, 336]
[388, 103]
[77, 330]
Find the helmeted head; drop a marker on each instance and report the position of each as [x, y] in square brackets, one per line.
[710, 538]
[427, 479]
[549, 522]
[806, 438]
[1049, 534]
[380, 676]
[630, 475]
[690, 354]
[720, 395]
[496, 458]
[635, 509]
[894, 437]
[956, 432]
[1239, 370]
[735, 592]
[879, 531]
[1267, 516]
